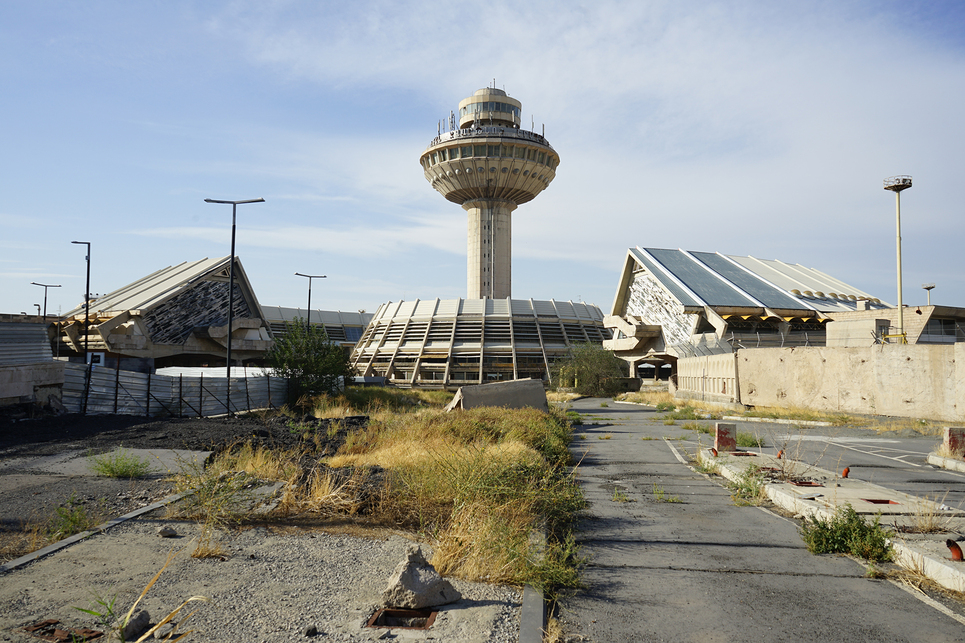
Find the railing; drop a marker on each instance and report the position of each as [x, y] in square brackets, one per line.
[477, 132]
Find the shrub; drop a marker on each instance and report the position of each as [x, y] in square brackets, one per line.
[590, 369]
[311, 362]
[847, 533]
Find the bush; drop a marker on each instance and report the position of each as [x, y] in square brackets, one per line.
[591, 370]
[847, 533]
[312, 363]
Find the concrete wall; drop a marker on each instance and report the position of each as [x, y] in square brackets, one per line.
[918, 381]
[30, 382]
[709, 378]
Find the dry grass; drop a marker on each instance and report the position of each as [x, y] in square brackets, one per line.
[561, 396]
[554, 631]
[650, 398]
[929, 518]
[257, 461]
[898, 425]
[944, 451]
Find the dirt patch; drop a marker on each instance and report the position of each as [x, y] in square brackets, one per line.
[33, 499]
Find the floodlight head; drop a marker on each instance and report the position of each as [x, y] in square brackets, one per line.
[898, 183]
[928, 286]
[258, 200]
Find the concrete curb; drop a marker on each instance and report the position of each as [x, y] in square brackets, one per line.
[532, 617]
[945, 463]
[743, 418]
[70, 540]
[923, 556]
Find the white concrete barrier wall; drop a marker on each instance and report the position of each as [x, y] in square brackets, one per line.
[712, 378]
[915, 380]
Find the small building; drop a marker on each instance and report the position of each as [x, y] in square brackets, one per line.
[673, 304]
[922, 324]
[447, 343]
[177, 316]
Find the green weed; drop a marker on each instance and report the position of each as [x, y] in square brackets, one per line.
[749, 440]
[847, 533]
[119, 464]
[68, 519]
[749, 487]
[620, 496]
[661, 496]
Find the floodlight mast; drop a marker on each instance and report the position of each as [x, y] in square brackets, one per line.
[928, 289]
[308, 315]
[45, 287]
[896, 184]
[231, 287]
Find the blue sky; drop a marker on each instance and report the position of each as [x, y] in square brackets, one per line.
[751, 128]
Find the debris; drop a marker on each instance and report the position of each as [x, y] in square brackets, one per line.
[416, 584]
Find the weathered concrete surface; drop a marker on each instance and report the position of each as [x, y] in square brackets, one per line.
[26, 380]
[516, 394]
[919, 381]
[703, 569]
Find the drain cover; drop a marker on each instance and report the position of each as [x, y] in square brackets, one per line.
[49, 631]
[403, 619]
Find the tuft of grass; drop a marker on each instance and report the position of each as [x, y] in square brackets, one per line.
[749, 440]
[604, 404]
[620, 496]
[944, 451]
[709, 466]
[648, 437]
[699, 428]
[929, 517]
[605, 437]
[119, 464]
[806, 415]
[749, 488]
[661, 496]
[70, 518]
[669, 421]
[847, 533]
[686, 412]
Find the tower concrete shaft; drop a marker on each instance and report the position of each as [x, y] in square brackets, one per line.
[489, 166]
[490, 248]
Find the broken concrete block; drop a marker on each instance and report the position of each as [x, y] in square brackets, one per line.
[515, 394]
[415, 584]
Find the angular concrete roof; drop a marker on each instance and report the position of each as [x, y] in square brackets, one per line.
[698, 279]
[149, 291]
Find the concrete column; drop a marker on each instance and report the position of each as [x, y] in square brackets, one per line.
[725, 437]
[954, 440]
[489, 248]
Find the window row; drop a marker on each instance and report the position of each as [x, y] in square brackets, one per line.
[491, 151]
[490, 106]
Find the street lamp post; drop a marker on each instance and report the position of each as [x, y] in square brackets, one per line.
[928, 289]
[308, 317]
[86, 327]
[45, 287]
[896, 184]
[231, 285]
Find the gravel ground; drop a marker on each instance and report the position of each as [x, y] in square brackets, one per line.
[275, 582]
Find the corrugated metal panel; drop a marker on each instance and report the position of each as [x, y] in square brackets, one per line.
[128, 393]
[24, 344]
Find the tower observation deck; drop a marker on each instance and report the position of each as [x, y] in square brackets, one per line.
[489, 166]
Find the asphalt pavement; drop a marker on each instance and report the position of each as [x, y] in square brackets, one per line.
[672, 558]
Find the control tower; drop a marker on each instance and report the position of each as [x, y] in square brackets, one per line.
[489, 166]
